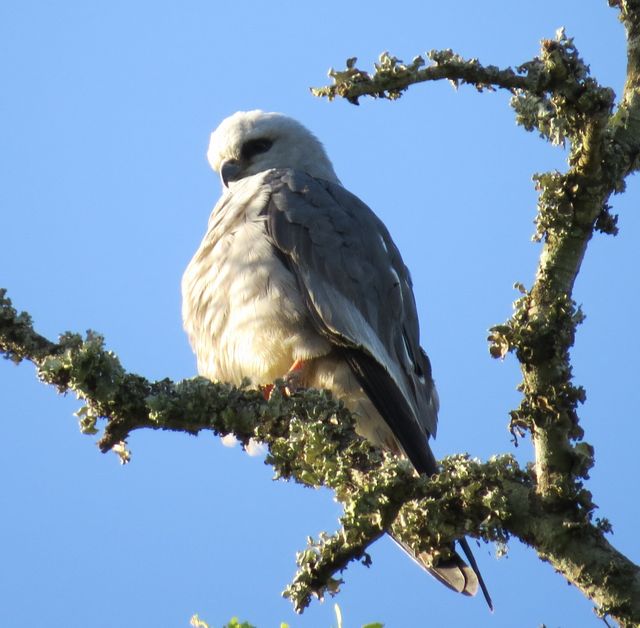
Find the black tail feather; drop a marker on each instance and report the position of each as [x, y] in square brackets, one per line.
[474, 565]
[394, 408]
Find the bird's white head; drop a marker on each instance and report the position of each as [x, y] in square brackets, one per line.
[249, 142]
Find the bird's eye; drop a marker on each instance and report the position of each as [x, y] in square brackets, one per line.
[254, 147]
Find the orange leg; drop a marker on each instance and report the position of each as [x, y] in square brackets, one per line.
[297, 366]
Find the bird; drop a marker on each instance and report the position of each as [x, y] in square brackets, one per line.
[297, 278]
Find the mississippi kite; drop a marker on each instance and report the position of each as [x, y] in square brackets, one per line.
[296, 275]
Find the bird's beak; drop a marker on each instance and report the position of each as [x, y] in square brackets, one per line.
[230, 170]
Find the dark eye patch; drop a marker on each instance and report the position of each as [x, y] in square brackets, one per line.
[251, 148]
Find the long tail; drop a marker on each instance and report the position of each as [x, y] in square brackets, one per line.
[474, 565]
[454, 573]
[398, 413]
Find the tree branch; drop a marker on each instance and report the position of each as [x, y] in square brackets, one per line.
[311, 439]
[391, 77]
[555, 95]
[624, 128]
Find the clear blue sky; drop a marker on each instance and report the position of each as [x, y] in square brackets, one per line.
[105, 114]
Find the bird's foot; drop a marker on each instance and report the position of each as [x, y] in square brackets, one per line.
[293, 381]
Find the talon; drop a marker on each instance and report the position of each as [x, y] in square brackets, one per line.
[292, 381]
[266, 391]
[293, 378]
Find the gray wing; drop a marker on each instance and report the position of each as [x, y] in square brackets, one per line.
[360, 296]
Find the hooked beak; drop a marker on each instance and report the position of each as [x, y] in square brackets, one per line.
[230, 170]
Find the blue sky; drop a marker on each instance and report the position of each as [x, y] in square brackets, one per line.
[105, 114]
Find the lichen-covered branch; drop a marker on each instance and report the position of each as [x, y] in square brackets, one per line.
[624, 128]
[542, 330]
[391, 77]
[555, 95]
[311, 439]
[630, 17]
